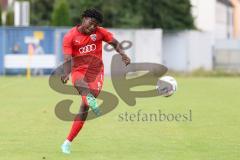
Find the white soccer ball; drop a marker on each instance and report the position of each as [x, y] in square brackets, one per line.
[166, 86]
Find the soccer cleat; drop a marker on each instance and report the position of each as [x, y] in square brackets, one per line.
[66, 147]
[92, 102]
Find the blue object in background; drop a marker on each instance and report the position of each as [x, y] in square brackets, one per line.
[17, 35]
[1, 50]
[11, 37]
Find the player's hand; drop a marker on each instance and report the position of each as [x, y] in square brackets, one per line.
[64, 79]
[125, 59]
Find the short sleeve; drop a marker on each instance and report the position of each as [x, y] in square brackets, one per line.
[67, 43]
[107, 36]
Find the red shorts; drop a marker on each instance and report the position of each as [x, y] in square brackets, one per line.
[94, 81]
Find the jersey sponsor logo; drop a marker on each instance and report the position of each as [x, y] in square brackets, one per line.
[88, 48]
[93, 37]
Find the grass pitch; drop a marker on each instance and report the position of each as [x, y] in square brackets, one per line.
[29, 129]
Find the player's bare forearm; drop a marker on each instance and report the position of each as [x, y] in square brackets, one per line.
[66, 68]
[116, 45]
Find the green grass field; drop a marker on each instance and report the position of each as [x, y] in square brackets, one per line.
[30, 130]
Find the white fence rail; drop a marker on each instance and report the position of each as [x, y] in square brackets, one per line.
[12, 61]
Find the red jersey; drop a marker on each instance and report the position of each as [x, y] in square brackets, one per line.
[77, 44]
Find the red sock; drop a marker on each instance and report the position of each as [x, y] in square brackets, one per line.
[76, 127]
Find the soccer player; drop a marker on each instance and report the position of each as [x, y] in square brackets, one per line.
[85, 42]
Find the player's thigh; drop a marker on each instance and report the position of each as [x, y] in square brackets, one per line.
[76, 76]
[96, 86]
[78, 81]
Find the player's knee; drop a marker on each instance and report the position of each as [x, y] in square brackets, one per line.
[80, 83]
[83, 116]
[81, 86]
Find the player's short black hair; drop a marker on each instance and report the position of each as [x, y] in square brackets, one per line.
[93, 13]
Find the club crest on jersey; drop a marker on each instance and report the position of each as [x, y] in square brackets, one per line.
[93, 37]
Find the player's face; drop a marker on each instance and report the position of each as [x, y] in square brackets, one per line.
[89, 25]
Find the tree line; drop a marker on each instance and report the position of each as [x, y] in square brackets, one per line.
[166, 14]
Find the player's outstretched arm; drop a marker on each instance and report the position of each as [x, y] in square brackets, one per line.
[66, 68]
[119, 49]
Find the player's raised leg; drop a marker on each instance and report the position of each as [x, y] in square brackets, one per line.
[87, 95]
[88, 100]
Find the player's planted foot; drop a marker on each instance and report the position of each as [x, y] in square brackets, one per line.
[92, 102]
[66, 147]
